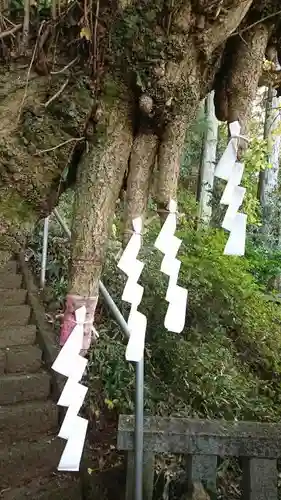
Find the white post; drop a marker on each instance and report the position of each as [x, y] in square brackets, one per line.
[271, 174]
[208, 161]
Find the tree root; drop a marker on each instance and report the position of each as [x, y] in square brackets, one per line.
[235, 92]
[141, 163]
[169, 159]
[245, 73]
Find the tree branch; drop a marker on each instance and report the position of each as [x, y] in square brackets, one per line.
[10, 32]
[257, 22]
[214, 35]
[244, 72]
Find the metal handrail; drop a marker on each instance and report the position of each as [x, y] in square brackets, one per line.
[139, 369]
[44, 253]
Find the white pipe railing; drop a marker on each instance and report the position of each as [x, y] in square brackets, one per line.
[44, 253]
[139, 369]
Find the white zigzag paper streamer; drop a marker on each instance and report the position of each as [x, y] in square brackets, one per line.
[72, 365]
[231, 171]
[169, 244]
[133, 293]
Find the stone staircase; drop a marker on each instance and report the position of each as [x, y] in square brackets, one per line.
[29, 450]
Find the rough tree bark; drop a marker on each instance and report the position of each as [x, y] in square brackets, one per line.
[235, 89]
[100, 176]
[31, 178]
[153, 62]
[142, 161]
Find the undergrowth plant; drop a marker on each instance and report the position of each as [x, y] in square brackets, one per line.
[226, 363]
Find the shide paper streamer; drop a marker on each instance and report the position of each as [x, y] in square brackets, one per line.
[70, 363]
[169, 245]
[133, 293]
[230, 170]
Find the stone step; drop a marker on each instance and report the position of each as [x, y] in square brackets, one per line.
[23, 388]
[26, 421]
[10, 280]
[9, 267]
[55, 487]
[23, 359]
[26, 461]
[14, 315]
[5, 257]
[12, 296]
[17, 335]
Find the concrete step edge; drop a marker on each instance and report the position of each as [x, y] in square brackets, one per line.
[16, 335]
[23, 359]
[26, 421]
[25, 461]
[16, 388]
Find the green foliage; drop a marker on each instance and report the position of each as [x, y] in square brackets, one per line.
[193, 145]
[264, 262]
[57, 259]
[256, 160]
[58, 256]
[226, 363]
[41, 7]
[106, 363]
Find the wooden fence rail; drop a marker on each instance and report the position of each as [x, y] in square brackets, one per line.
[257, 444]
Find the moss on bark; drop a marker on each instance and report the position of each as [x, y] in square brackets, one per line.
[29, 178]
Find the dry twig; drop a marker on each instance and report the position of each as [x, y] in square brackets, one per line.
[13, 30]
[95, 47]
[73, 139]
[57, 94]
[65, 68]
[257, 22]
[29, 69]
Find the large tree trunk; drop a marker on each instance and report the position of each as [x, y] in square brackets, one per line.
[100, 176]
[150, 64]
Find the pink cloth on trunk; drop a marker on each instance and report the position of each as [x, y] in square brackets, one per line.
[73, 302]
